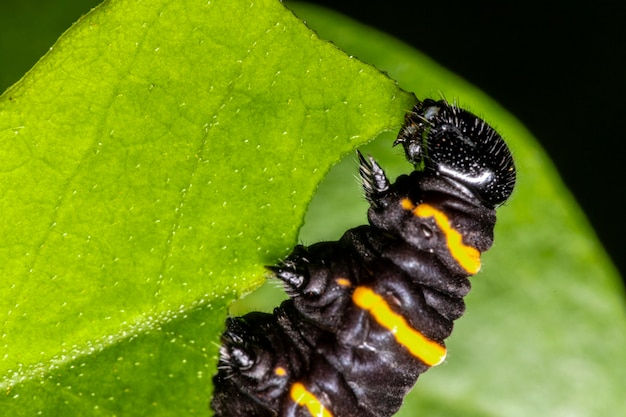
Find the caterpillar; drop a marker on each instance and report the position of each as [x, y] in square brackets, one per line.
[368, 313]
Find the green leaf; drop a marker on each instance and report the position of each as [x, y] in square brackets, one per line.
[545, 327]
[154, 161]
[120, 256]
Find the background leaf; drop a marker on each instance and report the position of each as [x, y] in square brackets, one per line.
[545, 326]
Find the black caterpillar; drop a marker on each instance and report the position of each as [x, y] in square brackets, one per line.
[368, 313]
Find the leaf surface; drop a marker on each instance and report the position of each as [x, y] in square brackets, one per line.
[155, 160]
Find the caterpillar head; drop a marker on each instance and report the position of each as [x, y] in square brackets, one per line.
[450, 142]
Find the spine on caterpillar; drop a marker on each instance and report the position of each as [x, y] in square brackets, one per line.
[367, 314]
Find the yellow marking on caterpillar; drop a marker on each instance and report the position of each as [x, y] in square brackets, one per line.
[301, 396]
[343, 282]
[466, 256]
[407, 204]
[280, 371]
[426, 350]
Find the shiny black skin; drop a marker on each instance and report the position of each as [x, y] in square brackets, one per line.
[318, 336]
[453, 143]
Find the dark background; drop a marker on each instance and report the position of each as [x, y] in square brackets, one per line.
[560, 67]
